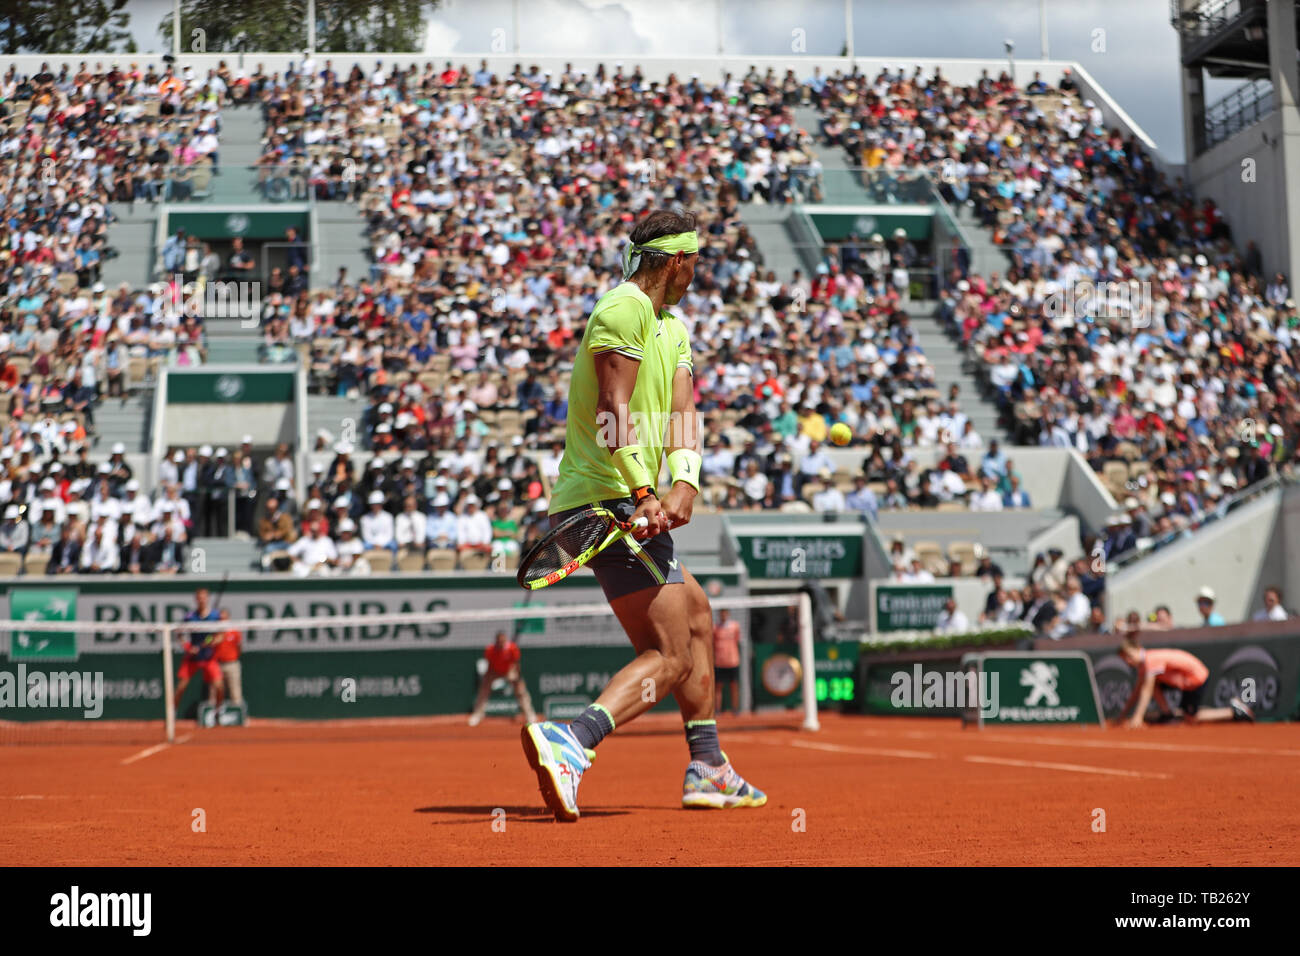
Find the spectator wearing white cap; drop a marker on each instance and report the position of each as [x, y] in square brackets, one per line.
[135, 507]
[1205, 605]
[119, 472]
[14, 532]
[377, 525]
[473, 528]
[49, 499]
[442, 528]
[350, 548]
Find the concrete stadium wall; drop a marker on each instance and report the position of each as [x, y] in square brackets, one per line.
[1256, 210]
[1238, 557]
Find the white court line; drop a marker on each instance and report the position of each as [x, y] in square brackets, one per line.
[1140, 745]
[1083, 742]
[837, 748]
[868, 751]
[150, 751]
[1071, 767]
[926, 755]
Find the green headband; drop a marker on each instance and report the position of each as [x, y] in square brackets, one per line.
[687, 242]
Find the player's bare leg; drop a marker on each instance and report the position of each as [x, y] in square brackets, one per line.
[480, 699]
[658, 624]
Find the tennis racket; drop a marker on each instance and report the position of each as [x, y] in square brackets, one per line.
[571, 544]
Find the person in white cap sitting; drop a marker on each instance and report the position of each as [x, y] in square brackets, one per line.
[14, 533]
[377, 525]
[473, 528]
[119, 472]
[350, 548]
[441, 530]
[135, 507]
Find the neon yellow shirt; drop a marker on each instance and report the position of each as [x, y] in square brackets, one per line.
[623, 322]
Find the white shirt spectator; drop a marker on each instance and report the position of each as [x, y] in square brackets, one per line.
[1278, 613]
[101, 554]
[377, 529]
[954, 623]
[985, 501]
[309, 553]
[474, 528]
[828, 500]
[411, 528]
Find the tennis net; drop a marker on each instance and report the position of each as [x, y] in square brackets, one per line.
[86, 683]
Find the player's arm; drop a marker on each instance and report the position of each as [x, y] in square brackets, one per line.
[1144, 692]
[616, 374]
[683, 449]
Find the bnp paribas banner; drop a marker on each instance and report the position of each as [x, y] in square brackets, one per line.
[325, 671]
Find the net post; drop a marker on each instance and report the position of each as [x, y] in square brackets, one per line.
[809, 661]
[169, 708]
[746, 667]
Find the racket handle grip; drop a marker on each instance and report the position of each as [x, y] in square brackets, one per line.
[641, 522]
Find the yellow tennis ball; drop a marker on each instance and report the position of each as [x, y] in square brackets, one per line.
[841, 434]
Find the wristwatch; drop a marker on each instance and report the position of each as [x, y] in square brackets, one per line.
[641, 494]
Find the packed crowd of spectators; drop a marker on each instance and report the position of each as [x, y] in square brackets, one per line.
[496, 207]
[63, 514]
[472, 509]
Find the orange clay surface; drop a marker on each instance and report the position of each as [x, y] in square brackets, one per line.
[865, 790]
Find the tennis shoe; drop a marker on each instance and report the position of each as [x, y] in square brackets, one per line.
[559, 760]
[718, 788]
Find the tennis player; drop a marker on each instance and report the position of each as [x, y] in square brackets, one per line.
[631, 402]
[1160, 668]
[200, 653]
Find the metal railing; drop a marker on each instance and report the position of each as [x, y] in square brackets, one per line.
[859, 185]
[1208, 17]
[215, 183]
[1243, 107]
[1199, 520]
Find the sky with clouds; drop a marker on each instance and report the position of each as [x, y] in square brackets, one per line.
[1139, 65]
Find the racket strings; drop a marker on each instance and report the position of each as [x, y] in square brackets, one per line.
[564, 544]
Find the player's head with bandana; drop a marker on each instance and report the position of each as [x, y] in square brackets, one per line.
[663, 251]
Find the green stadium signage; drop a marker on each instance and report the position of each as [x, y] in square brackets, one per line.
[784, 556]
[1035, 687]
[227, 388]
[910, 607]
[42, 604]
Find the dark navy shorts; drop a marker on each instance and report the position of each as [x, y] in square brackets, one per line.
[629, 565]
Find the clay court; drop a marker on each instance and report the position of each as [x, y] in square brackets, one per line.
[890, 791]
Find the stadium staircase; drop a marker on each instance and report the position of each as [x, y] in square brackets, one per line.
[126, 420]
[986, 257]
[950, 369]
[328, 413]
